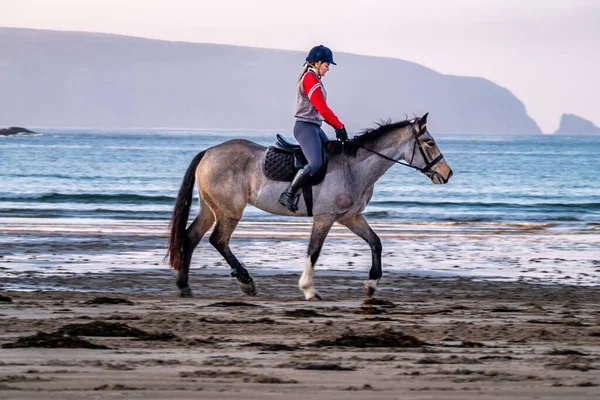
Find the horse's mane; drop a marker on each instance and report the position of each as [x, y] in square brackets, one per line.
[365, 137]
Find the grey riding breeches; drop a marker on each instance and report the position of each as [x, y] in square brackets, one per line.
[311, 139]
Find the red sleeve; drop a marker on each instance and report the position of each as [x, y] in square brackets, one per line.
[312, 88]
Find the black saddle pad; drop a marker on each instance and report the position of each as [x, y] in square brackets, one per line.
[280, 166]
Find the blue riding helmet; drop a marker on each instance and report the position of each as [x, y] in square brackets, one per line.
[320, 53]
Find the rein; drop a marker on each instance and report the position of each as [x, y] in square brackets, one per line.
[423, 170]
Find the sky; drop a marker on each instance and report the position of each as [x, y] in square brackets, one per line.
[546, 52]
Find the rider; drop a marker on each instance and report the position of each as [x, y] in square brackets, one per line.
[311, 111]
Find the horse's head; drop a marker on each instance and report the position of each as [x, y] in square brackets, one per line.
[425, 154]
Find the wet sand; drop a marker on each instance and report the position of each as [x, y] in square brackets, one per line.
[427, 337]
[31, 250]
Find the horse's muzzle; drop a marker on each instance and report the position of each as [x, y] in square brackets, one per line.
[439, 179]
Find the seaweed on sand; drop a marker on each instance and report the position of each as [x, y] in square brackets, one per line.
[52, 340]
[272, 346]
[324, 367]
[233, 304]
[110, 300]
[110, 329]
[304, 313]
[379, 302]
[387, 338]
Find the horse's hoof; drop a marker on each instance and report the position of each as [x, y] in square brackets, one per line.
[369, 290]
[249, 288]
[315, 297]
[185, 292]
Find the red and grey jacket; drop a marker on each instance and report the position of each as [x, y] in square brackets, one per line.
[312, 102]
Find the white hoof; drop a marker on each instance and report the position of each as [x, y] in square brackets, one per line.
[311, 294]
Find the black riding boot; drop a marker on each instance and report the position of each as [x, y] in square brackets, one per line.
[290, 197]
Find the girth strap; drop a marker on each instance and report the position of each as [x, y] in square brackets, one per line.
[308, 199]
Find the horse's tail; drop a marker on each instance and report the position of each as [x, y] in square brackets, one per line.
[181, 212]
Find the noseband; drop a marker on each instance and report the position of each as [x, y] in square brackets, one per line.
[431, 163]
[415, 135]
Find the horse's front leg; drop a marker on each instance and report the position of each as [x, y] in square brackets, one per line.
[359, 225]
[321, 226]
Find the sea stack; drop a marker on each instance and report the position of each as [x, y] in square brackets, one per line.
[571, 124]
[15, 130]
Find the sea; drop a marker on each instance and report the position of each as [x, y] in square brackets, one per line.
[66, 180]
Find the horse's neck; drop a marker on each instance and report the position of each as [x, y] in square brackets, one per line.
[373, 167]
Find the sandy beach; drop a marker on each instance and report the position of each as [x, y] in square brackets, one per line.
[469, 312]
[422, 338]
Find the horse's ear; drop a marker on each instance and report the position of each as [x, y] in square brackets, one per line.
[423, 121]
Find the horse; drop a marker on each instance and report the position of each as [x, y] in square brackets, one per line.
[230, 176]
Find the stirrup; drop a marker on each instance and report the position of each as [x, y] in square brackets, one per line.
[290, 201]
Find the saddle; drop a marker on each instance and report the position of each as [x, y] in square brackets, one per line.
[284, 159]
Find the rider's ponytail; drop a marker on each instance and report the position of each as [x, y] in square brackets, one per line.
[305, 69]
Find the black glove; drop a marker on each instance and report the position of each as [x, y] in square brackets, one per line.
[341, 134]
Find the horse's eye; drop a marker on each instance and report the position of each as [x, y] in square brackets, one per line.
[430, 143]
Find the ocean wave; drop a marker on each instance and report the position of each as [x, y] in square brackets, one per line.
[567, 219]
[46, 146]
[474, 204]
[470, 220]
[457, 222]
[95, 213]
[89, 198]
[22, 134]
[147, 206]
[59, 176]
[78, 177]
[376, 214]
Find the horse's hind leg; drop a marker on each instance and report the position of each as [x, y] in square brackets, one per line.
[194, 233]
[220, 240]
[359, 225]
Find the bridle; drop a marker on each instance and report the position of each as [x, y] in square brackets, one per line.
[427, 168]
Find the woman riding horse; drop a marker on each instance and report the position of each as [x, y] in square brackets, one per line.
[311, 111]
[231, 175]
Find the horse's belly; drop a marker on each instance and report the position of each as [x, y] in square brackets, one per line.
[266, 198]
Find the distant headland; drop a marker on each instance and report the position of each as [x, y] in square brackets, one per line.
[112, 81]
